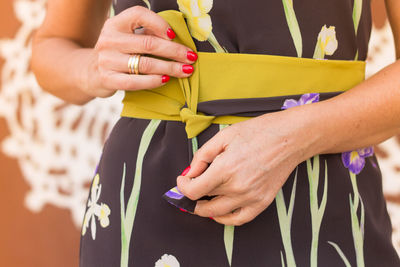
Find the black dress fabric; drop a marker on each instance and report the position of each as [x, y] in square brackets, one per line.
[330, 212]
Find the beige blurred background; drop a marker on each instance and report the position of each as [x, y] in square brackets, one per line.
[49, 149]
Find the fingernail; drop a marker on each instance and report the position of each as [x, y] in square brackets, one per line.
[211, 218]
[191, 56]
[171, 34]
[165, 78]
[185, 171]
[187, 69]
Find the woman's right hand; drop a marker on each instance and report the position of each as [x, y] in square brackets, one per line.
[118, 40]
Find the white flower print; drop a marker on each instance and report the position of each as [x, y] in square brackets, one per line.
[167, 261]
[327, 42]
[102, 211]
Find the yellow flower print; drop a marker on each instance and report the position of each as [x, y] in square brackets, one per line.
[327, 42]
[199, 21]
[102, 211]
[196, 13]
[103, 214]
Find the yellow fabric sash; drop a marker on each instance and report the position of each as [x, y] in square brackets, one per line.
[232, 76]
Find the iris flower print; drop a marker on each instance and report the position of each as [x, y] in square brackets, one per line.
[326, 43]
[196, 13]
[304, 99]
[199, 21]
[167, 261]
[355, 160]
[102, 211]
[174, 193]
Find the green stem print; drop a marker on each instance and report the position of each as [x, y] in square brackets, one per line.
[285, 223]
[229, 233]
[217, 47]
[195, 145]
[111, 12]
[293, 26]
[128, 215]
[229, 230]
[341, 254]
[357, 10]
[357, 226]
[317, 211]
[147, 3]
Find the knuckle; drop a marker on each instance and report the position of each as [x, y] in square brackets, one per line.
[148, 43]
[267, 199]
[239, 221]
[190, 193]
[103, 60]
[146, 65]
[136, 10]
[258, 197]
[179, 51]
[209, 212]
[105, 41]
[198, 155]
[175, 69]
[238, 188]
[108, 23]
[104, 78]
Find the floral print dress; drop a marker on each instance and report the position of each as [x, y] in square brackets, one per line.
[331, 210]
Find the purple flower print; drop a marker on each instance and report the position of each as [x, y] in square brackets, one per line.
[304, 99]
[355, 160]
[174, 193]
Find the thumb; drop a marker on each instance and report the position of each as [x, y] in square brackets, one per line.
[207, 153]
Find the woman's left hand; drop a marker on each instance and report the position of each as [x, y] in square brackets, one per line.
[244, 166]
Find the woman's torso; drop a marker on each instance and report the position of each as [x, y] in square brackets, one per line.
[261, 27]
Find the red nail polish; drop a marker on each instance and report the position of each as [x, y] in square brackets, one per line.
[187, 69]
[211, 218]
[165, 78]
[185, 171]
[183, 210]
[191, 56]
[171, 34]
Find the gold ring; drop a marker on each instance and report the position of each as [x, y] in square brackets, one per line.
[130, 63]
[136, 64]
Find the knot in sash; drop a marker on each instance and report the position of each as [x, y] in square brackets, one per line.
[235, 76]
[195, 122]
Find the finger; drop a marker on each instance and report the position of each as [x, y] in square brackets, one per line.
[238, 217]
[138, 16]
[208, 153]
[218, 206]
[147, 65]
[146, 44]
[130, 82]
[203, 184]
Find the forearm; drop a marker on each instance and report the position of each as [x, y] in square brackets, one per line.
[62, 68]
[363, 116]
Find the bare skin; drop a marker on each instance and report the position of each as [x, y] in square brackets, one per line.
[365, 115]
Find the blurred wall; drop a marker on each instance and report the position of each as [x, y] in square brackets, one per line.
[49, 149]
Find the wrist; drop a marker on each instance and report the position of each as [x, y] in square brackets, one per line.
[306, 133]
[87, 73]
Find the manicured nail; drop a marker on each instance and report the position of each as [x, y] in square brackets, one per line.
[185, 171]
[171, 34]
[187, 69]
[211, 218]
[191, 56]
[165, 78]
